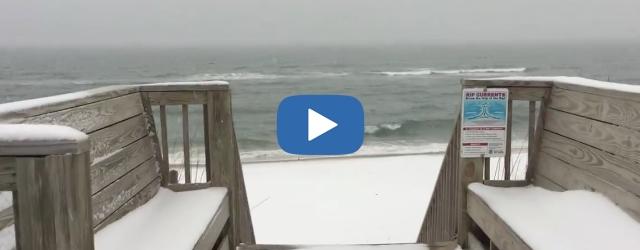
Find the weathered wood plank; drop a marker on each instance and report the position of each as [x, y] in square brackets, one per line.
[471, 172]
[139, 199]
[207, 142]
[52, 204]
[164, 164]
[544, 182]
[607, 109]
[120, 162]
[611, 138]
[506, 83]
[503, 183]
[7, 173]
[153, 133]
[622, 171]
[531, 140]
[491, 224]
[610, 90]
[507, 152]
[527, 93]
[215, 228]
[189, 186]
[227, 169]
[177, 97]
[94, 116]
[571, 177]
[186, 140]
[120, 191]
[15, 112]
[6, 217]
[537, 137]
[186, 86]
[107, 140]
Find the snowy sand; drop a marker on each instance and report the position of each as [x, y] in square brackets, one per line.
[331, 201]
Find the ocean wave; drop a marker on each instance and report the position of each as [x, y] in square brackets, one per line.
[261, 76]
[416, 72]
[233, 76]
[477, 71]
[427, 71]
[408, 128]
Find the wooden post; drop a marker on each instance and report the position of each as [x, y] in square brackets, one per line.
[185, 143]
[532, 129]
[164, 166]
[487, 168]
[207, 156]
[52, 196]
[507, 153]
[471, 171]
[226, 167]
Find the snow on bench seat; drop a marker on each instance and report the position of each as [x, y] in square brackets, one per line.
[561, 220]
[170, 220]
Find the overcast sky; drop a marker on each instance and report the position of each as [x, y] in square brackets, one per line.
[312, 22]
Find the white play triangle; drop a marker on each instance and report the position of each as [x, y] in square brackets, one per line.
[318, 124]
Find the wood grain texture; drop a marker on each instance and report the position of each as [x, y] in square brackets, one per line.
[146, 194]
[527, 93]
[571, 178]
[177, 98]
[153, 133]
[52, 204]
[471, 171]
[608, 92]
[507, 152]
[215, 227]
[621, 171]
[120, 191]
[186, 86]
[440, 223]
[610, 110]
[544, 182]
[611, 138]
[7, 173]
[120, 162]
[226, 167]
[505, 83]
[110, 139]
[16, 112]
[491, 224]
[6, 217]
[503, 183]
[537, 137]
[93, 116]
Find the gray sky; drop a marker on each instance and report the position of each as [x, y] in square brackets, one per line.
[312, 22]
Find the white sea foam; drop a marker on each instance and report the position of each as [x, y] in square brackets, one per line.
[427, 71]
[476, 71]
[372, 129]
[415, 72]
[234, 76]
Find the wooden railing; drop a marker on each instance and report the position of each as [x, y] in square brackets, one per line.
[222, 161]
[52, 179]
[446, 219]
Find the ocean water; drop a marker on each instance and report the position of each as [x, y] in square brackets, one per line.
[410, 93]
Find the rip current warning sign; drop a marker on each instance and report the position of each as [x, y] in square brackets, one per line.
[484, 122]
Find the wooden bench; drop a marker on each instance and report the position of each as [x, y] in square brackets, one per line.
[124, 168]
[587, 137]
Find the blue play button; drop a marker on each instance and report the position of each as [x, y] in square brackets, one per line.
[320, 124]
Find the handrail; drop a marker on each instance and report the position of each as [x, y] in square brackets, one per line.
[222, 159]
[446, 219]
